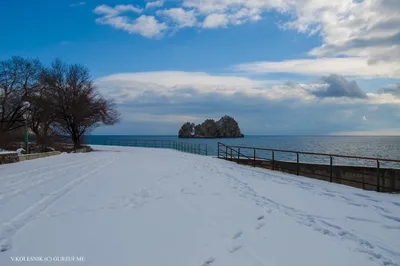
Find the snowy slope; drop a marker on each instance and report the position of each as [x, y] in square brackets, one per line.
[137, 206]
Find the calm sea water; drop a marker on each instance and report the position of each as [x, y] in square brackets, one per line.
[382, 147]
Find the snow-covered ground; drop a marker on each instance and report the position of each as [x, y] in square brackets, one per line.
[137, 206]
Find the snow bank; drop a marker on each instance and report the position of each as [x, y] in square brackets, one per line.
[6, 152]
[138, 206]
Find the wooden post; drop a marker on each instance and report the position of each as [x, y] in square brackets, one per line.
[226, 152]
[377, 176]
[238, 156]
[199, 149]
[218, 150]
[206, 150]
[254, 158]
[298, 166]
[330, 169]
[231, 153]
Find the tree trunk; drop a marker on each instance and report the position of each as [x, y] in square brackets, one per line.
[77, 141]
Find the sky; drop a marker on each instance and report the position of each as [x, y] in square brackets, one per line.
[279, 67]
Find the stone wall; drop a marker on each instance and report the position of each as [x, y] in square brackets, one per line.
[355, 176]
[32, 156]
[9, 158]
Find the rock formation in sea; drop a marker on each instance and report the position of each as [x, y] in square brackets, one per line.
[226, 127]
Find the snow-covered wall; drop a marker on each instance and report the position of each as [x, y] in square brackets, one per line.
[8, 157]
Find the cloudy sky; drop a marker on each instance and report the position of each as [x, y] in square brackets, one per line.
[277, 66]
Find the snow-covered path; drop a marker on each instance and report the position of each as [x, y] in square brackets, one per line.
[136, 206]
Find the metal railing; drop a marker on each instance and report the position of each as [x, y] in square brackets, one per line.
[365, 177]
[188, 147]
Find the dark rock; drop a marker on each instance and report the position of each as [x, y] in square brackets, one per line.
[186, 130]
[226, 127]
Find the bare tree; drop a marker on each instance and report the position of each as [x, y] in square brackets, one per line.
[19, 78]
[77, 105]
[42, 115]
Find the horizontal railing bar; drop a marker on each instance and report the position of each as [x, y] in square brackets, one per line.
[312, 153]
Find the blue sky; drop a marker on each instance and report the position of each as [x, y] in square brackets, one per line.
[279, 67]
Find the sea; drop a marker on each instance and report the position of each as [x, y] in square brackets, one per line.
[365, 146]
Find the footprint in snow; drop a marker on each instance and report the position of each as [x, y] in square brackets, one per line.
[260, 217]
[235, 248]
[260, 225]
[237, 235]
[208, 261]
[6, 245]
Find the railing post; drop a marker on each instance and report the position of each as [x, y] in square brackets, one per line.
[231, 153]
[273, 160]
[377, 176]
[199, 149]
[238, 156]
[226, 152]
[254, 158]
[297, 156]
[218, 150]
[206, 150]
[330, 168]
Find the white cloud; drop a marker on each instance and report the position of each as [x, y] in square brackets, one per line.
[215, 21]
[127, 86]
[366, 29]
[139, 117]
[77, 4]
[174, 97]
[117, 10]
[181, 17]
[154, 4]
[350, 66]
[147, 26]
[352, 28]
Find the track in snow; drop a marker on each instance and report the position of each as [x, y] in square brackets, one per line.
[8, 229]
